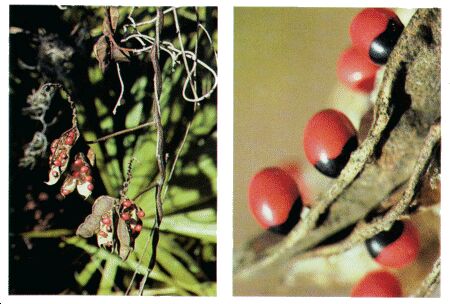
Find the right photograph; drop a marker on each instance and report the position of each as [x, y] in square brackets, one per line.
[337, 156]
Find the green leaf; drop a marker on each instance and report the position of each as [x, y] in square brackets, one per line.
[108, 276]
[204, 120]
[199, 224]
[95, 74]
[88, 271]
[54, 233]
[174, 267]
[208, 167]
[138, 88]
[129, 264]
[170, 245]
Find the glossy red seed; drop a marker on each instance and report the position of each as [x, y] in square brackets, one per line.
[377, 284]
[69, 141]
[141, 214]
[403, 251]
[57, 163]
[125, 216]
[90, 187]
[356, 71]
[88, 178]
[271, 196]
[106, 221]
[325, 136]
[84, 169]
[369, 24]
[76, 174]
[78, 162]
[71, 134]
[127, 203]
[138, 228]
[293, 169]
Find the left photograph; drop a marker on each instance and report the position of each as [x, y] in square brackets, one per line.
[113, 150]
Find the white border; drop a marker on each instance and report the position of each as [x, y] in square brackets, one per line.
[225, 152]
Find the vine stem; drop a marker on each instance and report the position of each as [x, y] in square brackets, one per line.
[157, 85]
[122, 89]
[431, 281]
[125, 131]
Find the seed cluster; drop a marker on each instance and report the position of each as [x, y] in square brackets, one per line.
[60, 154]
[80, 177]
[132, 214]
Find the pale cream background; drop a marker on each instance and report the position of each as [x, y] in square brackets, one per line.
[284, 72]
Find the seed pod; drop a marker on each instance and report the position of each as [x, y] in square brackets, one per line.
[91, 224]
[125, 242]
[60, 151]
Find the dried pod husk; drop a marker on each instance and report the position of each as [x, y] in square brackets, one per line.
[110, 20]
[113, 17]
[91, 156]
[105, 235]
[60, 154]
[91, 224]
[102, 52]
[125, 241]
[119, 55]
[69, 185]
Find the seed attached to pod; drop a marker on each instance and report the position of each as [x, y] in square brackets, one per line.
[375, 31]
[106, 221]
[397, 247]
[125, 216]
[69, 141]
[127, 203]
[328, 140]
[141, 214]
[274, 200]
